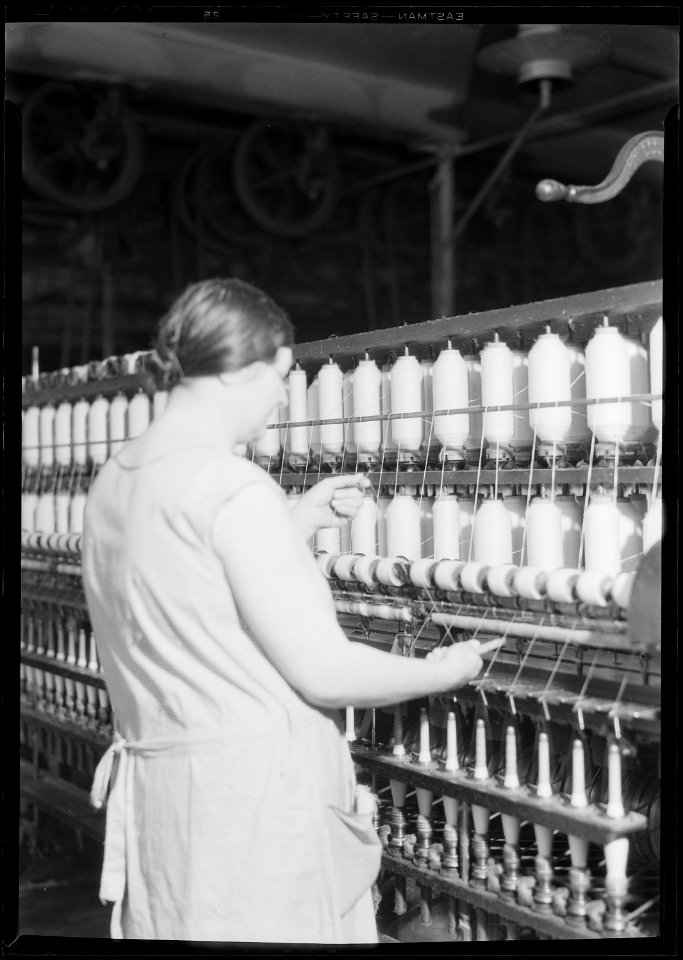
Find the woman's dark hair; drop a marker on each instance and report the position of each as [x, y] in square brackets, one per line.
[220, 325]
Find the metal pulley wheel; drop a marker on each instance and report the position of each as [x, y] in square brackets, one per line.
[286, 176]
[80, 146]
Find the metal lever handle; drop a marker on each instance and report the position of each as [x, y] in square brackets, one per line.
[635, 152]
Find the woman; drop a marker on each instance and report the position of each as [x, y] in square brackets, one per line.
[230, 812]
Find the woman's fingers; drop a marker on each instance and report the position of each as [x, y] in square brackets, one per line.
[489, 646]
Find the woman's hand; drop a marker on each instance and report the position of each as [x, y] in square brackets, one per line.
[330, 502]
[464, 659]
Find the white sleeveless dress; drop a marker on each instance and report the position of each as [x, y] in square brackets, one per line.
[228, 792]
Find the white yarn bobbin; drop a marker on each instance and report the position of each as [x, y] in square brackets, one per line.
[593, 588]
[364, 528]
[523, 435]
[450, 386]
[76, 511]
[62, 433]
[46, 431]
[297, 437]
[544, 535]
[601, 537]
[118, 421]
[500, 579]
[407, 397]
[30, 436]
[331, 407]
[62, 505]
[328, 539]
[447, 574]
[421, 573]
[79, 432]
[607, 375]
[621, 589]
[630, 535]
[550, 381]
[473, 577]
[497, 388]
[531, 583]
[561, 585]
[367, 389]
[492, 533]
[45, 520]
[475, 438]
[403, 528]
[446, 526]
[314, 414]
[139, 414]
[97, 431]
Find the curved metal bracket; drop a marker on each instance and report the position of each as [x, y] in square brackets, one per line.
[635, 152]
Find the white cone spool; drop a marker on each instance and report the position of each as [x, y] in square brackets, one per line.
[79, 432]
[383, 504]
[579, 431]
[474, 437]
[403, 528]
[473, 577]
[630, 535]
[349, 411]
[480, 815]
[385, 406]
[313, 414]
[657, 370]
[492, 533]
[550, 381]
[621, 589]
[367, 387]
[500, 579]
[98, 428]
[29, 504]
[31, 437]
[497, 387]
[544, 535]
[426, 527]
[76, 511]
[516, 508]
[329, 540]
[407, 397]
[46, 430]
[530, 583]
[607, 375]
[425, 797]
[297, 437]
[450, 387]
[62, 505]
[639, 382]
[62, 430]
[364, 528]
[45, 513]
[560, 585]
[446, 525]
[544, 835]
[139, 414]
[572, 516]
[523, 434]
[331, 407]
[118, 422]
[466, 519]
[269, 444]
[601, 537]
[653, 524]
[451, 764]
[578, 847]
[159, 402]
[447, 574]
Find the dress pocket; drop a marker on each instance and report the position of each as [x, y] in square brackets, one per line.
[357, 854]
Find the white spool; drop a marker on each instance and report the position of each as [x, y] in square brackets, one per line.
[446, 525]
[523, 435]
[607, 375]
[364, 570]
[97, 429]
[62, 505]
[657, 370]
[640, 429]
[516, 508]
[653, 524]
[46, 431]
[473, 577]
[407, 397]
[364, 528]
[579, 431]
[500, 579]
[549, 381]
[329, 540]
[63, 434]
[385, 406]
[427, 526]
[159, 402]
[531, 583]
[29, 504]
[492, 533]
[544, 535]
[601, 537]
[31, 437]
[367, 389]
[269, 444]
[76, 511]
[403, 527]
[313, 414]
[450, 387]
[474, 437]
[297, 437]
[382, 507]
[331, 407]
[630, 535]
[139, 414]
[593, 588]
[466, 519]
[118, 421]
[421, 573]
[79, 432]
[622, 588]
[45, 513]
[560, 585]
[349, 411]
[572, 517]
[497, 388]
[447, 574]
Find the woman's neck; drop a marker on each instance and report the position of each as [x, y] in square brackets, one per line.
[204, 399]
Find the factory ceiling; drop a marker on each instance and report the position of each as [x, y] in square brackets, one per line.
[419, 85]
